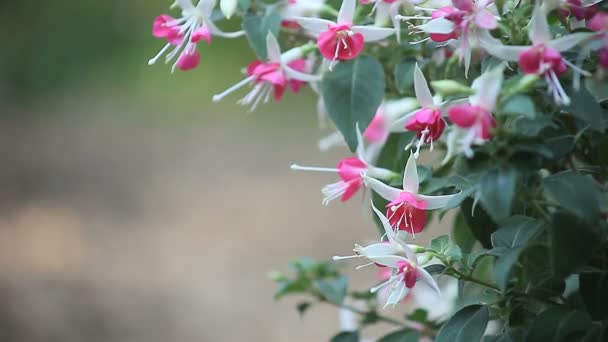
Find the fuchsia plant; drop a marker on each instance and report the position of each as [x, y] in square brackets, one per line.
[512, 137]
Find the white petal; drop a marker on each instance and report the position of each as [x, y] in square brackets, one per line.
[360, 144]
[399, 124]
[314, 26]
[436, 202]
[228, 7]
[217, 32]
[397, 293]
[273, 49]
[373, 33]
[185, 4]
[438, 25]
[379, 250]
[539, 27]
[487, 87]
[347, 11]
[567, 42]
[495, 48]
[427, 279]
[388, 230]
[393, 11]
[387, 192]
[300, 76]
[410, 176]
[387, 260]
[423, 93]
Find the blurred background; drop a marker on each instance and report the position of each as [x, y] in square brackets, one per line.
[134, 209]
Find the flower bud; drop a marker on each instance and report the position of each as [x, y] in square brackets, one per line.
[451, 88]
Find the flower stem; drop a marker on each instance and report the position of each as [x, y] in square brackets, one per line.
[475, 280]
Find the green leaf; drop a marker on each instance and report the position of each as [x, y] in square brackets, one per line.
[521, 105]
[575, 193]
[291, 287]
[466, 325]
[531, 127]
[435, 269]
[597, 88]
[516, 231]
[584, 107]
[405, 335]
[440, 244]
[481, 224]
[496, 190]
[419, 315]
[557, 323]
[352, 92]
[573, 241]
[333, 290]
[346, 336]
[506, 259]
[593, 288]
[404, 75]
[461, 234]
[257, 27]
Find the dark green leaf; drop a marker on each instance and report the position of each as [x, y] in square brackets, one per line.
[346, 336]
[575, 193]
[557, 323]
[531, 127]
[405, 335]
[516, 231]
[586, 108]
[404, 75]
[257, 27]
[461, 234]
[352, 93]
[419, 315]
[466, 325]
[333, 290]
[480, 223]
[496, 191]
[504, 265]
[292, 287]
[593, 288]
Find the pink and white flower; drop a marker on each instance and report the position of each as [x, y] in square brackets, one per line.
[463, 21]
[397, 256]
[350, 171]
[407, 208]
[599, 23]
[342, 40]
[473, 121]
[184, 34]
[544, 57]
[274, 76]
[427, 121]
[387, 10]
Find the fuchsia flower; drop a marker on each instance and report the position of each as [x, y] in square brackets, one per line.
[387, 10]
[342, 40]
[407, 208]
[273, 76]
[463, 21]
[427, 122]
[399, 258]
[544, 57]
[185, 33]
[599, 23]
[474, 121]
[579, 9]
[350, 171]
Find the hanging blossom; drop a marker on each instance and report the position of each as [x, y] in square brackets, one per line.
[473, 121]
[599, 23]
[427, 122]
[299, 8]
[350, 171]
[544, 57]
[463, 21]
[273, 76]
[387, 10]
[407, 208]
[397, 256]
[579, 11]
[341, 40]
[185, 33]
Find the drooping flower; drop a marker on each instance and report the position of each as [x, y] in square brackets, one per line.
[342, 40]
[274, 75]
[388, 10]
[473, 121]
[350, 171]
[464, 20]
[299, 8]
[407, 208]
[185, 33]
[544, 57]
[599, 23]
[427, 121]
[399, 257]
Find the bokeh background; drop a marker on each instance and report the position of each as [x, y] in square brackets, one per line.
[134, 209]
